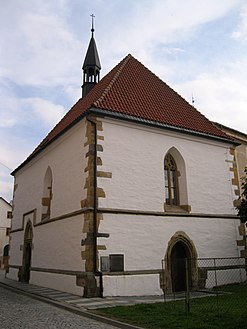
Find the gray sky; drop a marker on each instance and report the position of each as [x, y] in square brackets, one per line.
[198, 47]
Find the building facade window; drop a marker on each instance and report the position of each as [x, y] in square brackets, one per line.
[47, 195]
[9, 214]
[171, 181]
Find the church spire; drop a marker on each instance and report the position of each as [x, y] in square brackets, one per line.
[91, 66]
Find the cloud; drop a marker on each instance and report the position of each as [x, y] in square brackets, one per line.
[154, 30]
[42, 109]
[16, 111]
[240, 34]
[6, 185]
[23, 122]
[13, 151]
[8, 118]
[47, 48]
[210, 92]
[147, 23]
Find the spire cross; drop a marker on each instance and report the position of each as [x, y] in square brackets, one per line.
[92, 29]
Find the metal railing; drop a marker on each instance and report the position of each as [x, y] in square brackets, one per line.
[212, 284]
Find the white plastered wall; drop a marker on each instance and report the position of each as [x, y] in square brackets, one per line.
[135, 156]
[66, 283]
[16, 251]
[66, 158]
[143, 240]
[4, 224]
[56, 245]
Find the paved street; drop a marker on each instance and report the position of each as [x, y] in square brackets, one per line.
[23, 312]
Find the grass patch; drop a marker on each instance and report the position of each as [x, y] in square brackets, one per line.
[227, 311]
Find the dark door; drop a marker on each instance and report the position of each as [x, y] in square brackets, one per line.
[6, 256]
[178, 268]
[27, 261]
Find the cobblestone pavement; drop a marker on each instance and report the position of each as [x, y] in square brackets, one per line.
[77, 301]
[22, 312]
[60, 318]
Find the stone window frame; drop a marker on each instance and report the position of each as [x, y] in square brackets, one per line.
[171, 181]
[47, 194]
[179, 167]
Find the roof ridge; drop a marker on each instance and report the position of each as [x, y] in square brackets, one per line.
[117, 74]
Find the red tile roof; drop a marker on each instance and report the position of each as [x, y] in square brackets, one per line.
[131, 89]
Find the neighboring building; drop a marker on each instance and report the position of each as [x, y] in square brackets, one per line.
[240, 159]
[240, 150]
[5, 225]
[131, 177]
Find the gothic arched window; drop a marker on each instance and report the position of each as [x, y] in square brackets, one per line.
[171, 181]
[47, 194]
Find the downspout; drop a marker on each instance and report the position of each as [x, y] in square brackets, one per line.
[95, 207]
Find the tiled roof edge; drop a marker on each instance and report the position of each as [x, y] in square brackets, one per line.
[43, 146]
[221, 126]
[125, 117]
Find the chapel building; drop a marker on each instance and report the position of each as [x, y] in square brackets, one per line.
[130, 180]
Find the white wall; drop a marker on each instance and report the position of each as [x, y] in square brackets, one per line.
[56, 281]
[134, 285]
[16, 249]
[4, 223]
[56, 245]
[143, 240]
[66, 158]
[136, 159]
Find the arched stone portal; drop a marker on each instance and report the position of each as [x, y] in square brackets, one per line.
[180, 249]
[27, 253]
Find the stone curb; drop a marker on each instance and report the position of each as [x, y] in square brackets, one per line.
[71, 308]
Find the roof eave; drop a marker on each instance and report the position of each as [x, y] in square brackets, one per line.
[8, 203]
[124, 117]
[43, 147]
[156, 124]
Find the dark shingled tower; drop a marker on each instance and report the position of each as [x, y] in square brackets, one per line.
[91, 66]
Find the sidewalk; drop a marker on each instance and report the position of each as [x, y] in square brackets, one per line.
[87, 306]
[74, 300]
[77, 304]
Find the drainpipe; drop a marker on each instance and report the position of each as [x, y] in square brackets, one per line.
[95, 208]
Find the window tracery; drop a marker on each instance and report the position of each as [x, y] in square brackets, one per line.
[171, 181]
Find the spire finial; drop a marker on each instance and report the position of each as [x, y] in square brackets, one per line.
[192, 99]
[92, 29]
[91, 66]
